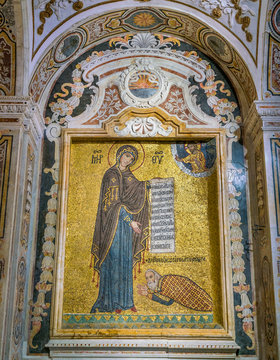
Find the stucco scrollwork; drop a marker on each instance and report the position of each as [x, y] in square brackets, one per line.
[57, 7]
[143, 127]
[234, 10]
[144, 40]
[142, 85]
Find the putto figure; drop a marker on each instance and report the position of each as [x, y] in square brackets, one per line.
[168, 289]
[121, 232]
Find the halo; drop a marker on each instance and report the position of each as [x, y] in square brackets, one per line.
[114, 148]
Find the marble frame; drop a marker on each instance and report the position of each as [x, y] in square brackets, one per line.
[95, 337]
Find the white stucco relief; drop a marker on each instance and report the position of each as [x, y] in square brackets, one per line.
[143, 127]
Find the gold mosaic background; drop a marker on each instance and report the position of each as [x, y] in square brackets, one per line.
[196, 226]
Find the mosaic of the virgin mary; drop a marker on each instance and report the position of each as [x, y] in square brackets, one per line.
[121, 232]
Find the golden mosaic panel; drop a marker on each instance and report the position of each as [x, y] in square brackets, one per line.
[196, 231]
[196, 261]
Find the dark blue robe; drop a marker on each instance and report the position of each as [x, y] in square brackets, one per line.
[116, 274]
[116, 248]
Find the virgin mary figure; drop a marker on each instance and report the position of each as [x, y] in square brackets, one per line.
[121, 232]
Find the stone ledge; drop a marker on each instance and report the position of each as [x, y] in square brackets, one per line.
[142, 349]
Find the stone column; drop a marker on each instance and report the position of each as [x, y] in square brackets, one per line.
[262, 140]
[21, 131]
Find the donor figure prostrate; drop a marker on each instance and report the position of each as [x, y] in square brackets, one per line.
[168, 289]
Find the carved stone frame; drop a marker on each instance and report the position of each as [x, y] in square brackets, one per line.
[214, 341]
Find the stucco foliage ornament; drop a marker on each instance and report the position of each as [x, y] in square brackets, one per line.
[246, 310]
[143, 127]
[144, 41]
[232, 9]
[62, 109]
[132, 79]
[57, 7]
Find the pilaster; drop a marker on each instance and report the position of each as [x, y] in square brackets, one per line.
[261, 128]
[21, 132]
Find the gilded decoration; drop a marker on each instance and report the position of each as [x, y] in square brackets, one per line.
[194, 261]
[141, 19]
[144, 20]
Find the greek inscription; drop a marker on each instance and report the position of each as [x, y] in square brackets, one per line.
[158, 157]
[96, 157]
[161, 246]
[176, 259]
[162, 220]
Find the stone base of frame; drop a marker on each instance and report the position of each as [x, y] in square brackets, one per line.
[142, 349]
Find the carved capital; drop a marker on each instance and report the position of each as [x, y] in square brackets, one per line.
[262, 116]
[21, 111]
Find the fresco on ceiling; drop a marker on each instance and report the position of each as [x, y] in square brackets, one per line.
[215, 97]
[239, 18]
[7, 48]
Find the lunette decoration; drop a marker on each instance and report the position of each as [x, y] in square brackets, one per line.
[119, 22]
[68, 99]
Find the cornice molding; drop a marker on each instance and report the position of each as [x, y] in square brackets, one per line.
[262, 116]
[214, 348]
[25, 112]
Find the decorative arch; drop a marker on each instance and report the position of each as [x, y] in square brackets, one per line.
[96, 89]
[170, 23]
